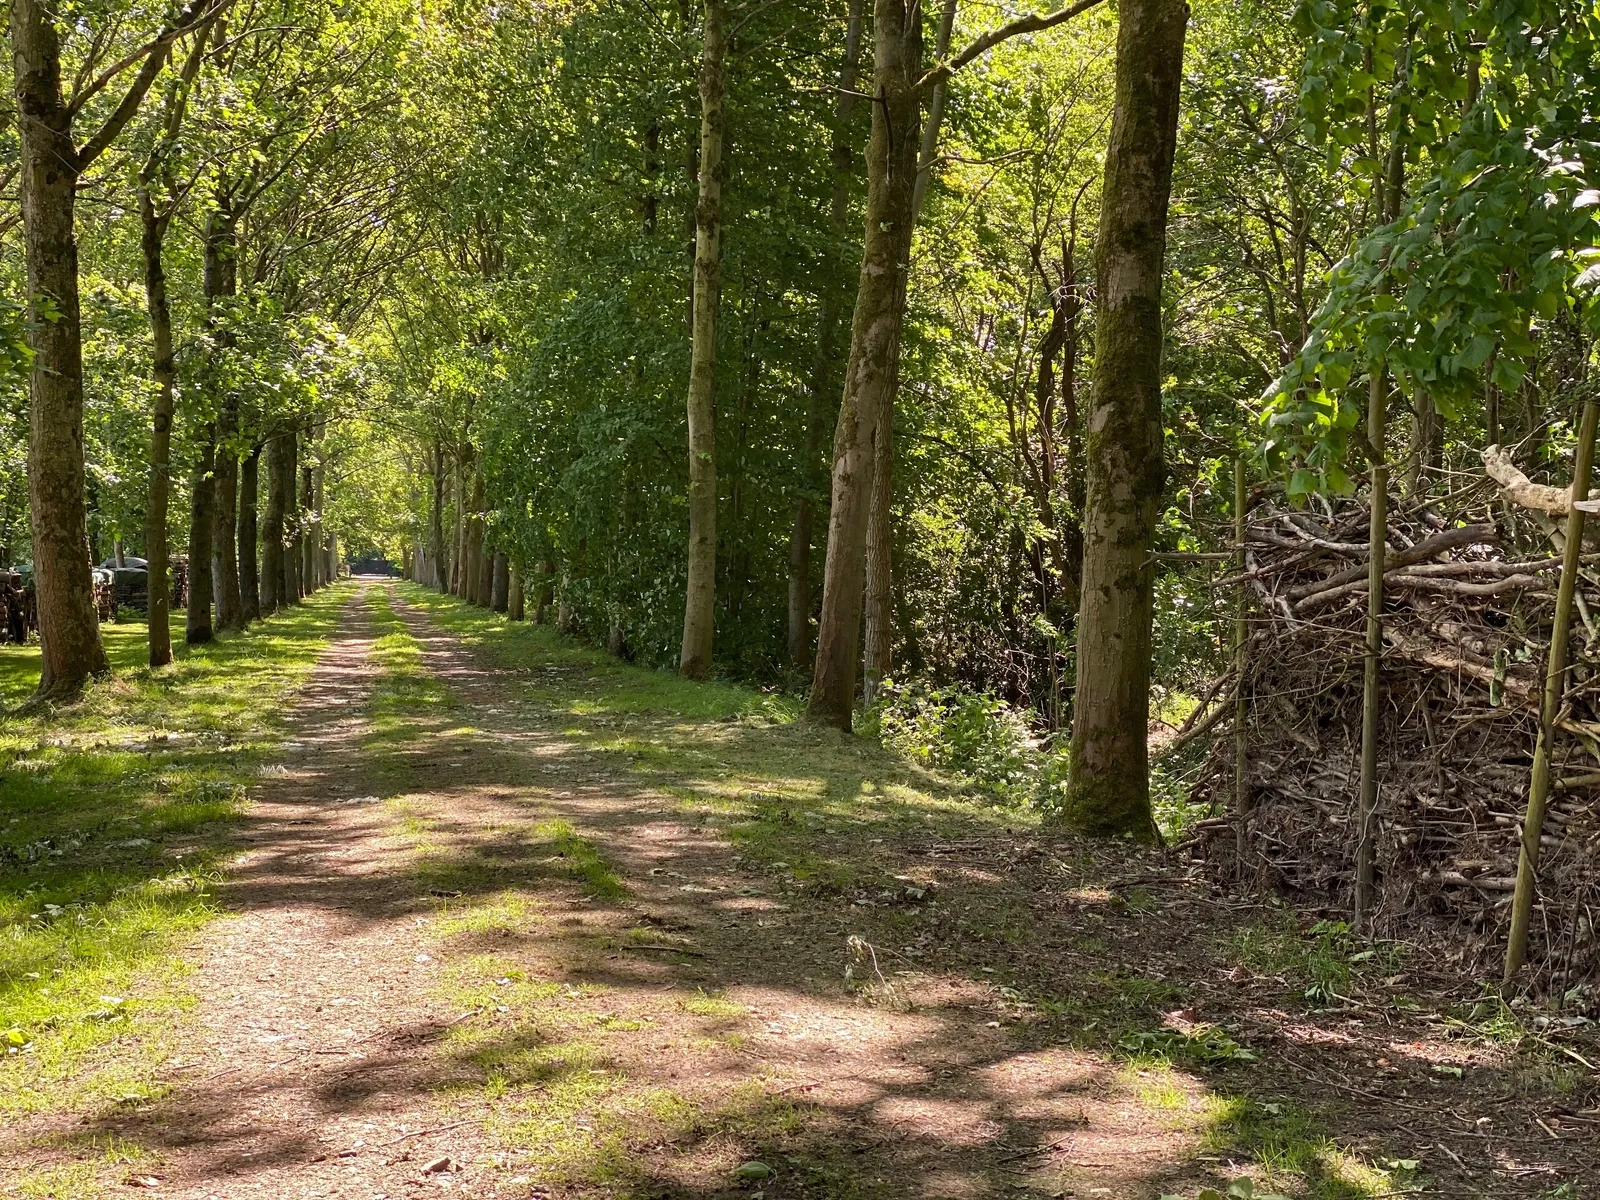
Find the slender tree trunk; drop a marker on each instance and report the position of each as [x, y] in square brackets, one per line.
[319, 498]
[202, 522]
[824, 378]
[500, 588]
[1108, 791]
[69, 629]
[699, 607]
[879, 640]
[873, 370]
[289, 464]
[309, 541]
[545, 595]
[160, 488]
[441, 568]
[879, 603]
[473, 584]
[220, 282]
[273, 596]
[458, 559]
[249, 579]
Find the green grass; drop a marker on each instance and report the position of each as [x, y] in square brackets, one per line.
[115, 830]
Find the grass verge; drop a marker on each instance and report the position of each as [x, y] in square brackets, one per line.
[116, 826]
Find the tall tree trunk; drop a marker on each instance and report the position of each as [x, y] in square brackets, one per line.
[69, 630]
[220, 282]
[157, 555]
[879, 602]
[289, 464]
[824, 379]
[544, 596]
[441, 569]
[472, 585]
[249, 579]
[699, 606]
[273, 596]
[458, 559]
[1108, 791]
[319, 488]
[486, 557]
[309, 541]
[515, 604]
[873, 370]
[202, 522]
[500, 586]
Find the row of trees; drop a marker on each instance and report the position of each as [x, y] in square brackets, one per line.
[565, 288]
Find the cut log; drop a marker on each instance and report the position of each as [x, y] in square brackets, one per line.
[1522, 491]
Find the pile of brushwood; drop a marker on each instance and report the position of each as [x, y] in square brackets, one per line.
[1469, 601]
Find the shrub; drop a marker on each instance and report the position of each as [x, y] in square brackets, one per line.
[975, 734]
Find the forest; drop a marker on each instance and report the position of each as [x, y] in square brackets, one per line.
[1129, 457]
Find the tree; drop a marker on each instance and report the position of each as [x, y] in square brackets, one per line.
[699, 609]
[872, 374]
[52, 165]
[1108, 791]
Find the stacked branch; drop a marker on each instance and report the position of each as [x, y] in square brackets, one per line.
[1470, 589]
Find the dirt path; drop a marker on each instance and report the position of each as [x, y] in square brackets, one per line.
[474, 955]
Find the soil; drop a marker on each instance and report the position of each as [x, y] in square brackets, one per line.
[384, 1015]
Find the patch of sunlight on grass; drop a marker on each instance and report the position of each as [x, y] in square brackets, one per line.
[508, 912]
[711, 1004]
[1288, 1144]
[118, 814]
[581, 860]
[1156, 1088]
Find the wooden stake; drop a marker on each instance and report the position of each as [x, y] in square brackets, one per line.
[1371, 698]
[1241, 634]
[1554, 686]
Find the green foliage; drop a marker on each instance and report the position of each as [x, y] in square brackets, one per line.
[973, 734]
[1240, 1189]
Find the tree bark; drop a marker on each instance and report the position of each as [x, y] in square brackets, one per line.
[441, 569]
[1108, 791]
[873, 370]
[544, 596]
[202, 522]
[69, 630]
[879, 603]
[515, 604]
[157, 554]
[289, 464]
[249, 578]
[500, 588]
[220, 281]
[472, 584]
[823, 377]
[699, 606]
[309, 542]
[273, 596]
[319, 556]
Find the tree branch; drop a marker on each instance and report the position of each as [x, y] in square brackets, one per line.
[198, 14]
[1029, 24]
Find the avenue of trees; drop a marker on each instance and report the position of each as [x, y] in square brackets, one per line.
[817, 342]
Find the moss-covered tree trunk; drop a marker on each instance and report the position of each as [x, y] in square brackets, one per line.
[1108, 791]
[872, 372]
[699, 606]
